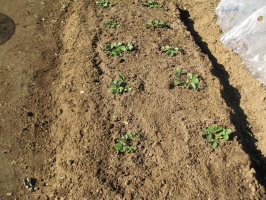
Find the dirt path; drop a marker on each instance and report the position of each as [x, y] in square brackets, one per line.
[25, 102]
[69, 122]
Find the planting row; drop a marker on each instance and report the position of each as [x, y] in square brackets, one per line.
[214, 133]
[150, 24]
[187, 80]
[119, 48]
[150, 4]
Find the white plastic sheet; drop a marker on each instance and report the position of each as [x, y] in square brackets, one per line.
[243, 23]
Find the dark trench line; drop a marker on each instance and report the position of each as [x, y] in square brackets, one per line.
[232, 98]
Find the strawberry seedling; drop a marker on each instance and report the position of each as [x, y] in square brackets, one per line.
[9, 68]
[152, 4]
[111, 24]
[119, 86]
[124, 143]
[105, 3]
[215, 133]
[171, 50]
[118, 48]
[157, 24]
[188, 80]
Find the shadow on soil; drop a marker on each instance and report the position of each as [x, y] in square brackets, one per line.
[232, 98]
[7, 28]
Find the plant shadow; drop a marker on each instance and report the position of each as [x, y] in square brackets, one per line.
[232, 98]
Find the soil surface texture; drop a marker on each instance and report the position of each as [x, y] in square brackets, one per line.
[59, 122]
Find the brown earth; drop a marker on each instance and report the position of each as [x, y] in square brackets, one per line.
[248, 96]
[59, 122]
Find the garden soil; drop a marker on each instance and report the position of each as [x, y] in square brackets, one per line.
[59, 123]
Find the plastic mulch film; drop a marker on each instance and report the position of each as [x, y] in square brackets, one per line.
[243, 23]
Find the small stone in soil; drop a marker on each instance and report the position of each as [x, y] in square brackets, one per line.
[70, 162]
[30, 182]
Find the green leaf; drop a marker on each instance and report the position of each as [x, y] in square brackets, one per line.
[105, 3]
[170, 50]
[118, 48]
[118, 146]
[122, 48]
[119, 86]
[130, 135]
[111, 24]
[215, 133]
[152, 4]
[122, 78]
[189, 76]
[123, 143]
[226, 137]
[127, 149]
[171, 53]
[214, 145]
[193, 86]
[209, 137]
[179, 82]
[157, 24]
[192, 80]
[133, 148]
[228, 131]
[130, 47]
[215, 128]
[9, 68]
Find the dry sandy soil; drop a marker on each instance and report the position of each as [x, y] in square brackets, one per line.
[59, 123]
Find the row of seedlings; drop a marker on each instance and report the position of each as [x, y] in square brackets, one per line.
[214, 133]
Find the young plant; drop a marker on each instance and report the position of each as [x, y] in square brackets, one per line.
[9, 68]
[171, 50]
[111, 24]
[105, 3]
[215, 133]
[157, 24]
[152, 4]
[118, 48]
[124, 143]
[119, 86]
[188, 80]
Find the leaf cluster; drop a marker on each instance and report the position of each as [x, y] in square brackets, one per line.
[157, 24]
[111, 24]
[123, 143]
[171, 50]
[119, 86]
[152, 4]
[105, 3]
[188, 80]
[215, 133]
[118, 48]
[9, 68]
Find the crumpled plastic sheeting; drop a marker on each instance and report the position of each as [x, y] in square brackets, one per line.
[243, 23]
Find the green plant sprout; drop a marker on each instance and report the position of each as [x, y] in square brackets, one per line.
[105, 3]
[157, 24]
[112, 24]
[9, 68]
[152, 4]
[124, 143]
[215, 133]
[119, 86]
[188, 80]
[171, 50]
[118, 48]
